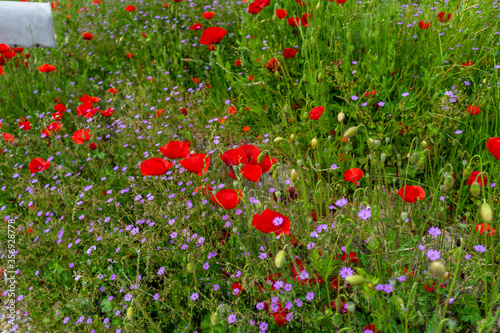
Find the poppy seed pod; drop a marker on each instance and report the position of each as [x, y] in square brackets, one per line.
[351, 132]
[214, 318]
[280, 259]
[475, 190]
[341, 116]
[314, 143]
[294, 175]
[355, 280]
[486, 212]
[130, 313]
[437, 268]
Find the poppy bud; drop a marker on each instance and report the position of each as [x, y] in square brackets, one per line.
[320, 77]
[190, 268]
[317, 196]
[376, 142]
[456, 256]
[292, 138]
[280, 259]
[214, 318]
[467, 172]
[130, 313]
[448, 182]
[404, 216]
[475, 189]
[446, 275]
[452, 323]
[318, 5]
[260, 158]
[313, 42]
[275, 175]
[314, 143]
[278, 139]
[294, 175]
[370, 143]
[351, 132]
[383, 157]
[437, 268]
[400, 301]
[351, 307]
[277, 75]
[486, 212]
[369, 286]
[341, 116]
[497, 259]
[355, 280]
[421, 163]
[337, 319]
[300, 162]
[278, 194]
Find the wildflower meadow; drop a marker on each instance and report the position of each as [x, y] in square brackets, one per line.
[253, 166]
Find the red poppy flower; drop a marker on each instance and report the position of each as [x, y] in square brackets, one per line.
[107, 112]
[130, 55]
[254, 8]
[296, 269]
[442, 17]
[238, 286]
[38, 165]
[184, 111]
[196, 163]
[340, 1]
[196, 26]
[212, 35]
[92, 146]
[46, 68]
[480, 180]
[305, 20]
[279, 313]
[316, 112]
[267, 163]
[411, 193]
[232, 174]
[112, 90]
[480, 228]
[429, 288]
[88, 99]
[370, 327]
[424, 25]
[273, 65]
[57, 115]
[175, 149]
[8, 137]
[234, 156]
[130, 8]
[493, 146]
[60, 107]
[206, 189]
[335, 283]
[251, 172]
[227, 198]
[54, 126]
[293, 21]
[81, 136]
[467, 64]
[353, 175]
[208, 15]
[155, 166]
[25, 125]
[88, 36]
[352, 257]
[271, 221]
[289, 53]
[281, 13]
[4, 48]
[332, 304]
[473, 109]
[237, 63]
[159, 112]
[83, 109]
[252, 153]
[1, 70]
[91, 113]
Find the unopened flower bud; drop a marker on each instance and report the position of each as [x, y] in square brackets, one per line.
[130, 312]
[486, 212]
[448, 182]
[214, 318]
[452, 323]
[300, 162]
[437, 268]
[260, 158]
[446, 275]
[351, 132]
[292, 138]
[275, 175]
[424, 144]
[279, 139]
[355, 280]
[421, 163]
[294, 175]
[337, 320]
[475, 189]
[314, 143]
[351, 307]
[190, 268]
[467, 172]
[456, 256]
[280, 259]
[341, 116]
[404, 216]
[414, 158]
[400, 301]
